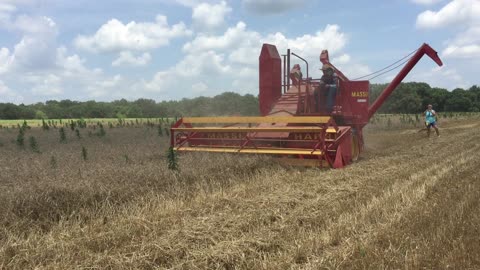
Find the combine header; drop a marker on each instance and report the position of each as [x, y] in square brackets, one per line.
[305, 121]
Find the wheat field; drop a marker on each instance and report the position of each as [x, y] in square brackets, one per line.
[110, 202]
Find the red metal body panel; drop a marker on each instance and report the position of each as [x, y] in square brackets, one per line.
[352, 102]
[270, 78]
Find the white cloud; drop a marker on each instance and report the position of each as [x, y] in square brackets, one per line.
[49, 85]
[43, 69]
[246, 72]
[311, 46]
[116, 36]
[205, 63]
[355, 70]
[8, 95]
[159, 83]
[457, 12]
[199, 88]
[36, 49]
[188, 3]
[470, 36]
[462, 15]
[352, 69]
[349, 67]
[4, 90]
[426, 2]
[33, 53]
[465, 45]
[194, 66]
[104, 87]
[210, 16]
[444, 76]
[70, 63]
[35, 25]
[71, 77]
[244, 45]
[467, 51]
[272, 6]
[127, 58]
[342, 59]
[10, 6]
[5, 59]
[7, 8]
[21, 2]
[233, 37]
[245, 55]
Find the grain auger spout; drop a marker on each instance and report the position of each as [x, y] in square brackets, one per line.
[424, 49]
[304, 121]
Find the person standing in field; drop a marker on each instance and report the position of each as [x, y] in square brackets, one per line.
[431, 120]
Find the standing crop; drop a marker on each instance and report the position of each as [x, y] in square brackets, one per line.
[34, 144]
[84, 153]
[21, 137]
[172, 159]
[63, 136]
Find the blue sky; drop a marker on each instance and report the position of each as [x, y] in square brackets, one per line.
[172, 49]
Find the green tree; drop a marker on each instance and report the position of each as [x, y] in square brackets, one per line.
[40, 115]
[458, 101]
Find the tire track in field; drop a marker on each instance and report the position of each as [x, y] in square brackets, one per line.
[381, 212]
[273, 232]
[447, 223]
[420, 238]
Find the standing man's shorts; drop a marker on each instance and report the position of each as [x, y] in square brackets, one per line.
[433, 124]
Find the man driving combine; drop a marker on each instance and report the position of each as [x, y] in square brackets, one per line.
[328, 86]
[431, 120]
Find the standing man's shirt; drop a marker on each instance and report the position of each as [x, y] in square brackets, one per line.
[430, 117]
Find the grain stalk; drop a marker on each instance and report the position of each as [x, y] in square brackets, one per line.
[63, 136]
[21, 138]
[172, 159]
[34, 144]
[84, 153]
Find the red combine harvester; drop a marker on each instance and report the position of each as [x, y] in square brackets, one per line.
[297, 124]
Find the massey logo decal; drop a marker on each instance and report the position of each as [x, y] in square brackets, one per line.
[361, 94]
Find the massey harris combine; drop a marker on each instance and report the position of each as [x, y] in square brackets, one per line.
[305, 121]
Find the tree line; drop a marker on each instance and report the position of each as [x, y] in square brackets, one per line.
[409, 97]
[227, 103]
